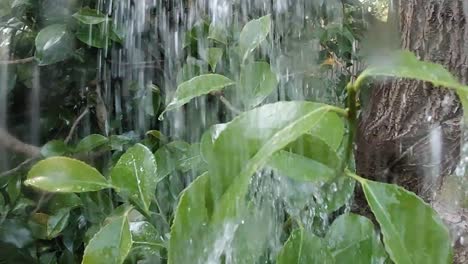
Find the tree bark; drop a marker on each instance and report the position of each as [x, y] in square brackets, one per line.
[410, 132]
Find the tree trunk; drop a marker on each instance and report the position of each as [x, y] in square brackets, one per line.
[410, 132]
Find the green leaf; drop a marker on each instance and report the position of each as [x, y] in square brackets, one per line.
[352, 239]
[213, 56]
[264, 131]
[218, 33]
[145, 235]
[61, 174]
[412, 231]
[93, 35]
[134, 176]
[300, 168]
[111, 244]
[257, 81]
[198, 86]
[303, 247]
[190, 229]
[63, 201]
[54, 148]
[253, 34]
[90, 16]
[57, 222]
[53, 44]
[158, 135]
[404, 64]
[91, 142]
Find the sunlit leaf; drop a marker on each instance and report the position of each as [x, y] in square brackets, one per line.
[303, 247]
[90, 16]
[198, 86]
[61, 174]
[253, 33]
[257, 81]
[352, 239]
[53, 44]
[111, 244]
[135, 176]
[190, 229]
[412, 231]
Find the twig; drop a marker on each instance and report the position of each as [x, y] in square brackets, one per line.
[75, 125]
[229, 105]
[23, 166]
[10, 142]
[18, 61]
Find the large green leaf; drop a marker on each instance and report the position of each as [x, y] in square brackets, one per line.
[134, 176]
[53, 44]
[404, 64]
[61, 174]
[303, 247]
[352, 239]
[197, 86]
[257, 81]
[190, 230]
[412, 231]
[90, 16]
[253, 34]
[111, 244]
[263, 131]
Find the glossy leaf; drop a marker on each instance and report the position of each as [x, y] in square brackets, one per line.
[412, 231]
[91, 142]
[134, 176]
[61, 174]
[57, 222]
[63, 201]
[265, 130]
[111, 244]
[257, 81]
[303, 247]
[198, 86]
[54, 148]
[253, 34]
[352, 239]
[93, 35]
[90, 16]
[54, 43]
[145, 235]
[190, 229]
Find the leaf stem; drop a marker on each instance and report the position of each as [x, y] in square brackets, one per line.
[229, 105]
[352, 120]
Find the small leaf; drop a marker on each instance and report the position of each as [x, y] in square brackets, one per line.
[218, 33]
[135, 176]
[111, 244]
[190, 229]
[53, 44]
[63, 201]
[91, 142]
[303, 247]
[213, 56]
[158, 135]
[93, 35]
[90, 16]
[54, 148]
[61, 174]
[352, 239]
[145, 235]
[412, 231]
[57, 222]
[253, 33]
[198, 86]
[257, 81]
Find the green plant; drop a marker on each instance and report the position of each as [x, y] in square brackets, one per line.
[215, 208]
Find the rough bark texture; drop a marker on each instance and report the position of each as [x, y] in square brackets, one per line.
[410, 132]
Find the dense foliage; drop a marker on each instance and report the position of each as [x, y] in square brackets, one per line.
[233, 195]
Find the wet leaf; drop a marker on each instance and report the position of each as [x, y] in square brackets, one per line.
[257, 81]
[158, 135]
[61, 174]
[263, 131]
[218, 33]
[352, 239]
[91, 142]
[63, 201]
[145, 235]
[213, 56]
[111, 244]
[190, 229]
[93, 35]
[135, 177]
[54, 43]
[404, 64]
[15, 232]
[90, 16]
[412, 230]
[57, 222]
[303, 247]
[54, 148]
[198, 86]
[253, 33]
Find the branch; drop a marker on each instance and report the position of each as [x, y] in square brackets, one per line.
[75, 125]
[10, 142]
[229, 105]
[18, 61]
